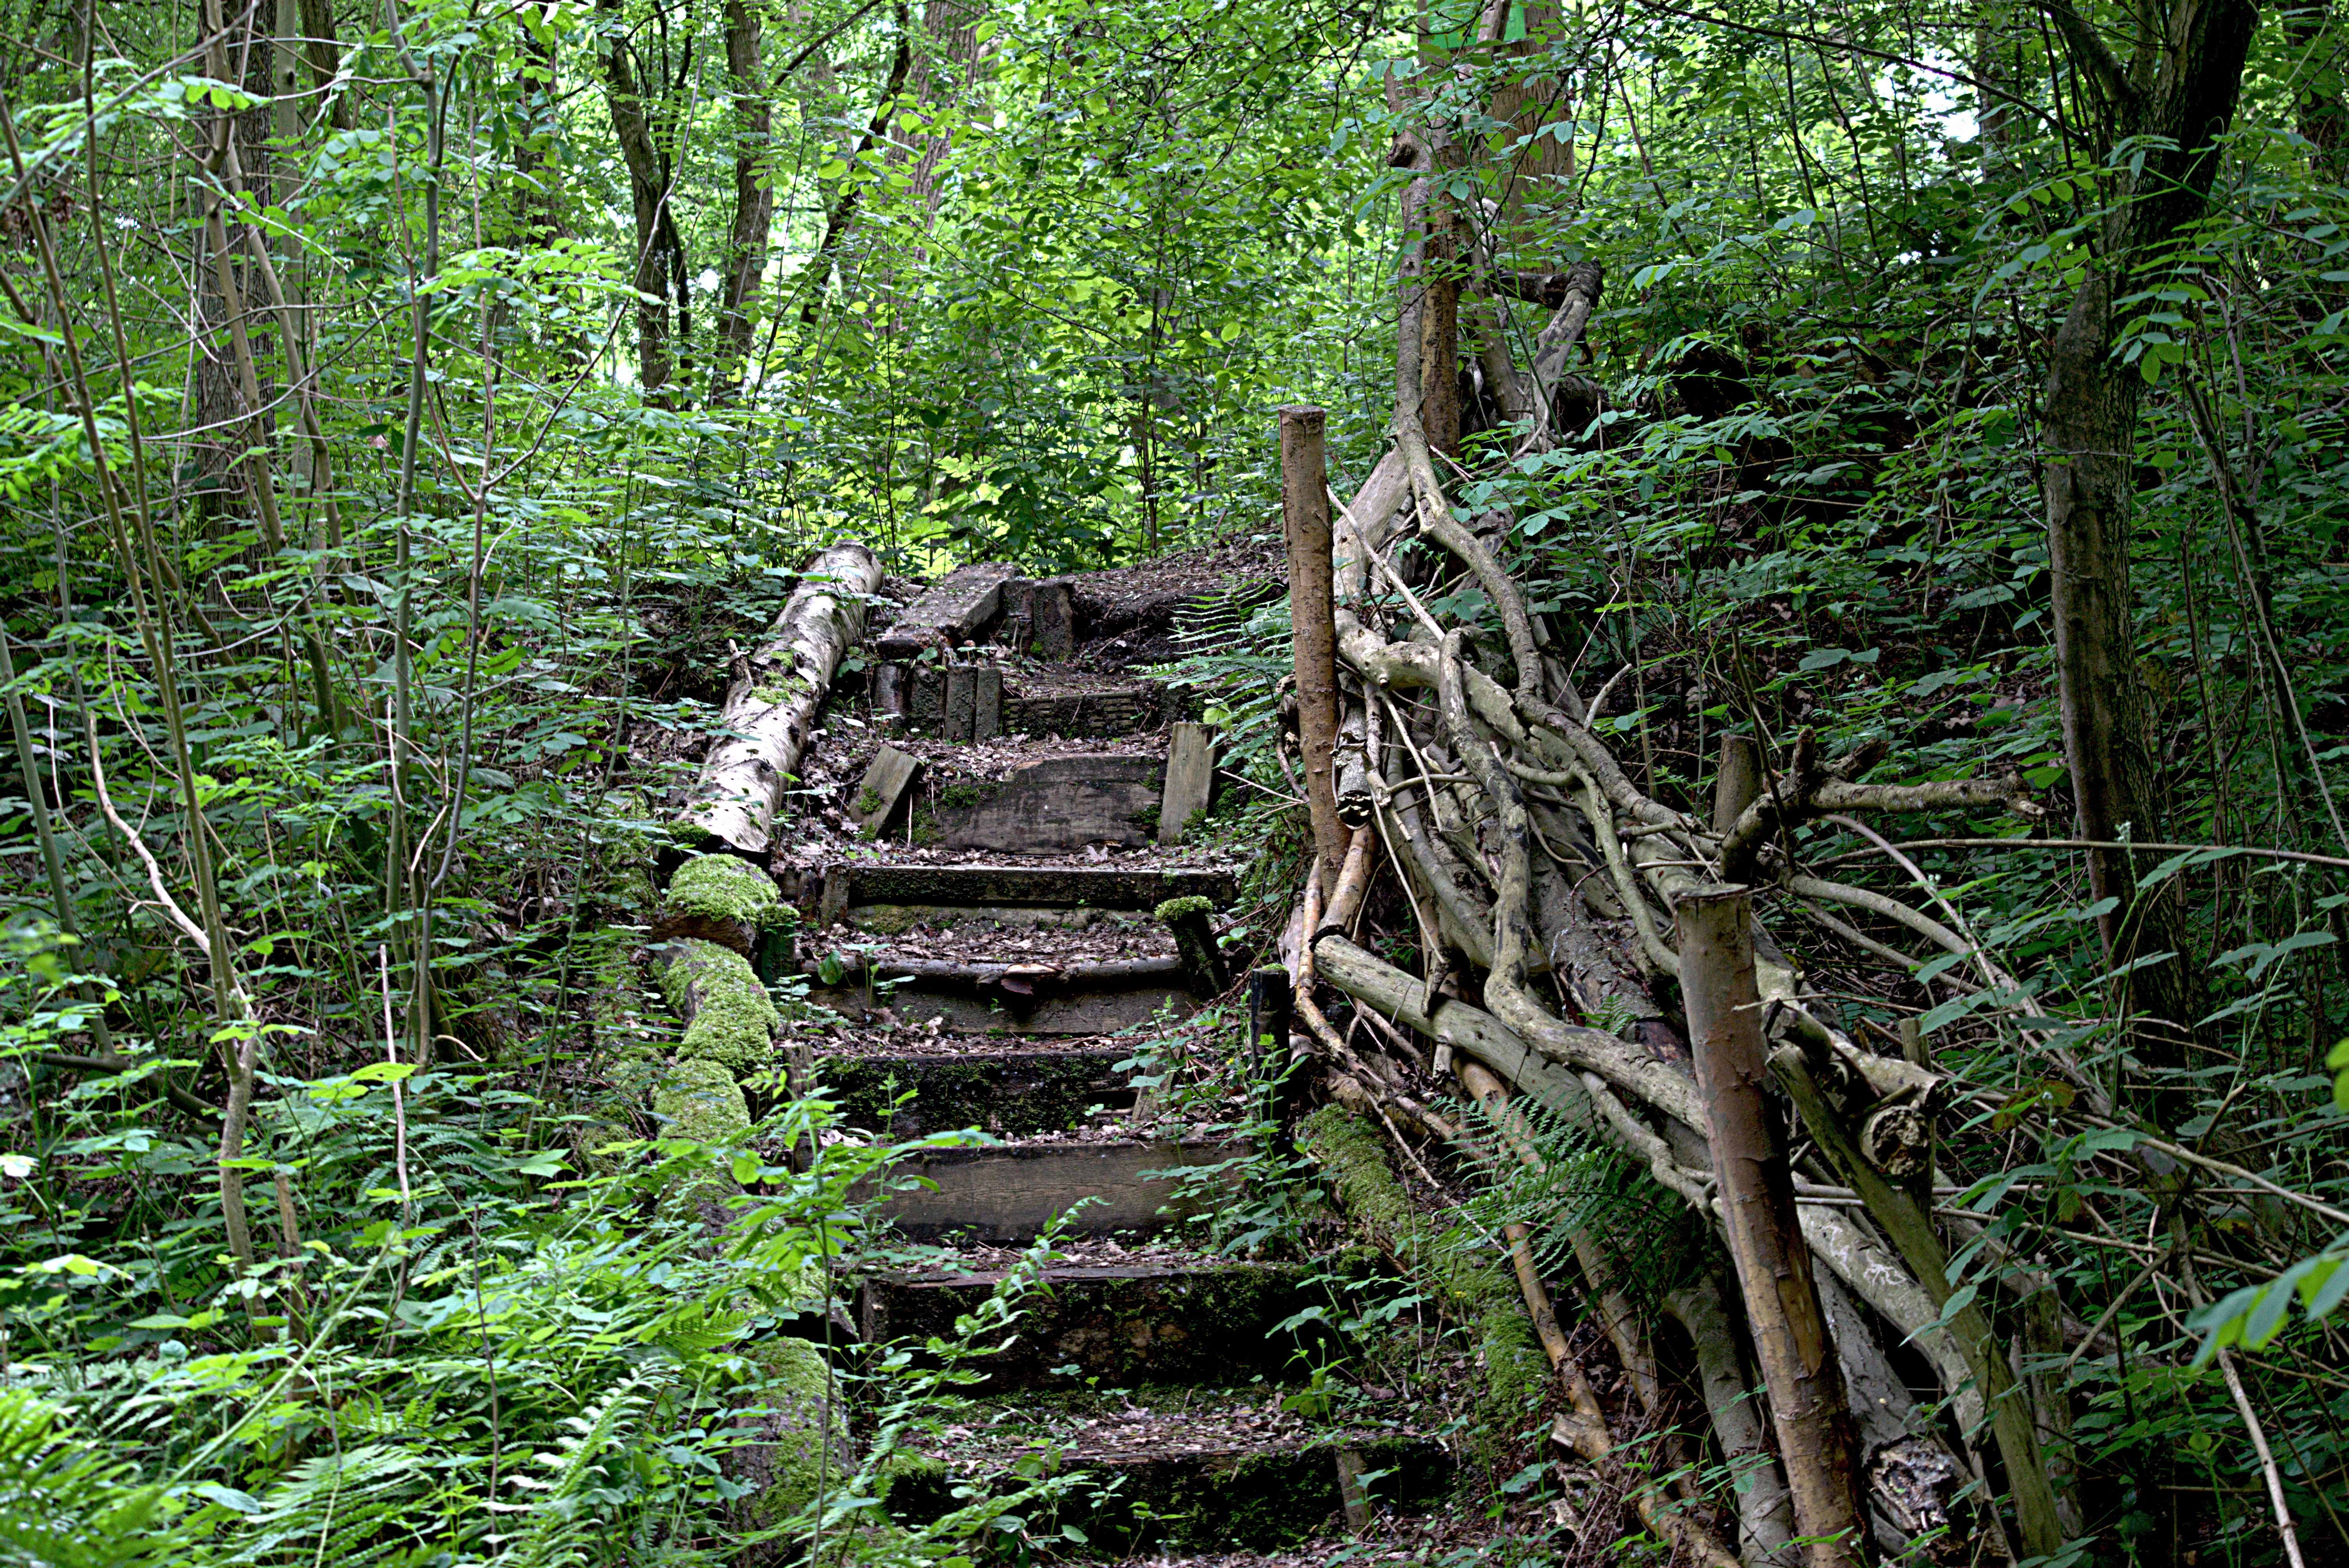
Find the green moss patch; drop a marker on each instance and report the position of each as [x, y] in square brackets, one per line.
[733, 1020]
[1479, 1290]
[1175, 909]
[720, 887]
[700, 1100]
[783, 1462]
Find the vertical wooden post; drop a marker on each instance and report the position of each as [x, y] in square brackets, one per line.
[1313, 635]
[1738, 783]
[1808, 1405]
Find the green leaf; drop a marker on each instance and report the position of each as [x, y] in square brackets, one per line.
[747, 1169]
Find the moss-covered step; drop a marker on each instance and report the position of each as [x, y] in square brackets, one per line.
[1204, 1472]
[1010, 1191]
[1012, 1093]
[1066, 887]
[1187, 1321]
[1053, 805]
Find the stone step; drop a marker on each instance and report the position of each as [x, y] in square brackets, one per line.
[973, 884]
[1010, 1192]
[1011, 1092]
[1157, 1320]
[1203, 1471]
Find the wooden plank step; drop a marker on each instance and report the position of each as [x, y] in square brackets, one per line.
[1052, 805]
[1007, 1193]
[1236, 1472]
[1006, 1014]
[1010, 1092]
[1099, 887]
[1151, 1321]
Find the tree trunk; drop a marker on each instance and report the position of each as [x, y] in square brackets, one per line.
[772, 703]
[1757, 1191]
[2318, 111]
[754, 199]
[326, 59]
[660, 271]
[2090, 414]
[1312, 636]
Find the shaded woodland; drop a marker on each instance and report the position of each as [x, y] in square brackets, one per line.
[1764, 585]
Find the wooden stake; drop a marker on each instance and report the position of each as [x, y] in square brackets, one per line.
[1738, 783]
[1313, 637]
[1773, 1267]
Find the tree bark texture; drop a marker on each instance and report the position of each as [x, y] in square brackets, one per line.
[772, 703]
[1757, 1191]
[1305, 510]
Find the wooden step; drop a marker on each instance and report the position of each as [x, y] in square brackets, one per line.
[1201, 1472]
[1011, 1092]
[1014, 999]
[1010, 1192]
[1053, 805]
[1059, 886]
[1156, 1321]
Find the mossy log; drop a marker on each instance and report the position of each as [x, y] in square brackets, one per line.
[728, 1017]
[794, 1440]
[1480, 1291]
[770, 706]
[722, 900]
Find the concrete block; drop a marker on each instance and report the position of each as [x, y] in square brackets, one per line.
[1190, 779]
[986, 703]
[961, 693]
[882, 786]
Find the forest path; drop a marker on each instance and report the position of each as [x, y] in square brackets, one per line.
[1009, 897]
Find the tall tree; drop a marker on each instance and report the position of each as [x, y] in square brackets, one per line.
[644, 91]
[2184, 92]
[754, 198]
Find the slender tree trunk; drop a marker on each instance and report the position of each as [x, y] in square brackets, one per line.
[844, 211]
[661, 252]
[1305, 502]
[754, 199]
[2090, 417]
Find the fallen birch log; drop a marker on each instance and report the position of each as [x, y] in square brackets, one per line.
[770, 706]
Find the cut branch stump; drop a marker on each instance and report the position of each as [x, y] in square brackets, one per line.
[1757, 1189]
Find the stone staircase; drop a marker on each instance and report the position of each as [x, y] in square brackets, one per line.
[1002, 920]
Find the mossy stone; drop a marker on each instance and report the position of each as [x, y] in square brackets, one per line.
[1175, 909]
